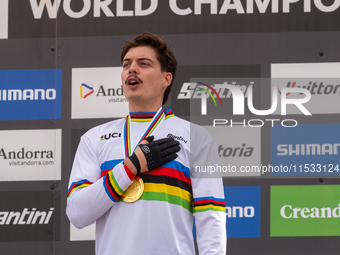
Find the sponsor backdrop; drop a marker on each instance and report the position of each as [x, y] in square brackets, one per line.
[279, 149]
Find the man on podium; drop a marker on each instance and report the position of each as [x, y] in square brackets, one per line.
[141, 188]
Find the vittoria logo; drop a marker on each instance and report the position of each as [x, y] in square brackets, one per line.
[320, 79]
[316, 88]
[109, 136]
[243, 151]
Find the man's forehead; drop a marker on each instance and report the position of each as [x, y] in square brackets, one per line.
[141, 52]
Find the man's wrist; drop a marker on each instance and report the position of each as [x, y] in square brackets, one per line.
[130, 166]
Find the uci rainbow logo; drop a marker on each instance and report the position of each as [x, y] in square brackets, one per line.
[208, 92]
[85, 87]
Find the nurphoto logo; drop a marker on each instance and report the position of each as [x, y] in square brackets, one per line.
[245, 94]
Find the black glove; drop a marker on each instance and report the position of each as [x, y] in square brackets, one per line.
[156, 153]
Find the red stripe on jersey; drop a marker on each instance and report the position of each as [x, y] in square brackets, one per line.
[170, 172]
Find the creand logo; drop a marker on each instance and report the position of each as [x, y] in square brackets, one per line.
[305, 210]
[4, 19]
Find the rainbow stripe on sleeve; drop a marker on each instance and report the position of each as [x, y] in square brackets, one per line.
[112, 187]
[78, 185]
[203, 204]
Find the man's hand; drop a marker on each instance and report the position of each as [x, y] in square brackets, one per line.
[151, 154]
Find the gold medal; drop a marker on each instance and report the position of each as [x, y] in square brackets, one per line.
[134, 191]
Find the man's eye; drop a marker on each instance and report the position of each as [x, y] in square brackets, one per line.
[125, 64]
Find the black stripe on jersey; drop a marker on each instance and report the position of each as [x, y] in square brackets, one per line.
[149, 178]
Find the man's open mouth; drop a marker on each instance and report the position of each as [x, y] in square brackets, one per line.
[133, 80]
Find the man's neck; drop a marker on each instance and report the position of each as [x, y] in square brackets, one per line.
[144, 108]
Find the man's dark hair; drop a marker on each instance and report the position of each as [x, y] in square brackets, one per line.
[165, 55]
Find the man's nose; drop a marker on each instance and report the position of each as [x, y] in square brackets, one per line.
[133, 68]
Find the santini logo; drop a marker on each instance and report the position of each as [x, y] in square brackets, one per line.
[178, 138]
[26, 217]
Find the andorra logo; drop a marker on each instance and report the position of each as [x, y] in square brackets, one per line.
[89, 90]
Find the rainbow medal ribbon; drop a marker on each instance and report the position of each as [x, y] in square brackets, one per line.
[136, 189]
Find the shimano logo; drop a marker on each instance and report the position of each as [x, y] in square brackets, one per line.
[178, 138]
[240, 212]
[307, 149]
[27, 94]
[26, 217]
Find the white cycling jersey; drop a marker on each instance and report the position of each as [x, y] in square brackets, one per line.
[161, 221]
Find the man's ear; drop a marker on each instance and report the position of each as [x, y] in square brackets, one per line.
[167, 79]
